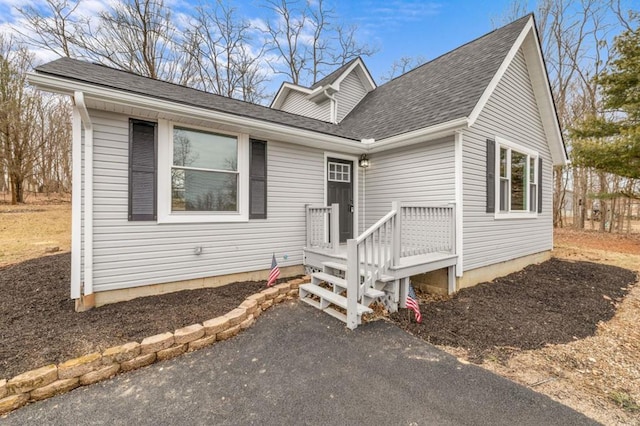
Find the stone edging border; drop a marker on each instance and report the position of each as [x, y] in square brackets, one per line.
[51, 380]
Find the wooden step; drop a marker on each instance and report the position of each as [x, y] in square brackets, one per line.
[331, 279]
[335, 265]
[342, 283]
[343, 267]
[328, 296]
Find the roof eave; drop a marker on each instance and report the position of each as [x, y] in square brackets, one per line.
[286, 133]
[436, 131]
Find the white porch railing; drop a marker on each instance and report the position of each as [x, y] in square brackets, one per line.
[407, 230]
[427, 229]
[323, 227]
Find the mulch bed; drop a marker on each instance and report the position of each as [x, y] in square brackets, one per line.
[39, 326]
[554, 302]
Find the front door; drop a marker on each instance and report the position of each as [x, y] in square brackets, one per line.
[340, 191]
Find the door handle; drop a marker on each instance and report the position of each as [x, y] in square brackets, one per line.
[350, 208]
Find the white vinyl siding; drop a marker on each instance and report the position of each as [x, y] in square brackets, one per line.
[129, 254]
[511, 113]
[350, 94]
[296, 103]
[422, 173]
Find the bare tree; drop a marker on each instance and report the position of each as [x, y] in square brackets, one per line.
[137, 36]
[284, 36]
[308, 42]
[220, 46]
[53, 26]
[19, 108]
[52, 170]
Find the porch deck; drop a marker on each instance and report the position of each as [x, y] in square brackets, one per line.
[376, 266]
[314, 258]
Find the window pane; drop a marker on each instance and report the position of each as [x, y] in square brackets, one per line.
[504, 194]
[532, 170]
[503, 162]
[192, 148]
[518, 181]
[194, 190]
[533, 198]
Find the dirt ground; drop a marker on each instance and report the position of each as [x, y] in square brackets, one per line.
[575, 339]
[37, 228]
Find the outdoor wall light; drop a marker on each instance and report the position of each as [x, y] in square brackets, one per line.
[197, 250]
[364, 161]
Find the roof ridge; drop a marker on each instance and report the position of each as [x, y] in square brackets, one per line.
[341, 69]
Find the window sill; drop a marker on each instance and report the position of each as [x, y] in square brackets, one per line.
[516, 215]
[202, 218]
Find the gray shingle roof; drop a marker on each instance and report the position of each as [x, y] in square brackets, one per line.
[441, 90]
[104, 76]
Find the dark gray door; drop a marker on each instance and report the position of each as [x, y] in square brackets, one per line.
[340, 191]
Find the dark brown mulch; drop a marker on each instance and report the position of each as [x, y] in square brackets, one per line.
[38, 324]
[557, 301]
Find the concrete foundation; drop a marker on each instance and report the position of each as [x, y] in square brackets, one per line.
[114, 296]
[436, 282]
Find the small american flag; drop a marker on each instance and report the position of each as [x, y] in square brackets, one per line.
[412, 303]
[275, 272]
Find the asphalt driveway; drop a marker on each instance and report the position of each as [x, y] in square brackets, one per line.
[299, 366]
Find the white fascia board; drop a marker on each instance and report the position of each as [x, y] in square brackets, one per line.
[420, 135]
[542, 91]
[283, 92]
[488, 91]
[284, 132]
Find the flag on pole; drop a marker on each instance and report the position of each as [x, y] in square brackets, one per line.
[412, 303]
[275, 272]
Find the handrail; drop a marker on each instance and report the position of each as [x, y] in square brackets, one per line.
[375, 226]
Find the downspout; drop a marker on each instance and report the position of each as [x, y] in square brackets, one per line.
[88, 195]
[333, 110]
[76, 205]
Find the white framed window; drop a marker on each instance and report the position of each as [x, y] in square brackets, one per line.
[203, 174]
[517, 186]
[339, 172]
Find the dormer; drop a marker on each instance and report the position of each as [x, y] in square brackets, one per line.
[331, 98]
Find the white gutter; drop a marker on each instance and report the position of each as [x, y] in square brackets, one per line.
[420, 135]
[281, 132]
[81, 107]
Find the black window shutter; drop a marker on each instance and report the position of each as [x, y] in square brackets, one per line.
[539, 185]
[491, 176]
[258, 180]
[142, 170]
